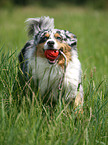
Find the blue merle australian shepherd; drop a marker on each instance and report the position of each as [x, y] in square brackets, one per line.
[51, 57]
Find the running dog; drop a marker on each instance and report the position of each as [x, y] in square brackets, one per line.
[51, 57]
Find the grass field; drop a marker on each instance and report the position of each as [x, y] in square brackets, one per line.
[32, 123]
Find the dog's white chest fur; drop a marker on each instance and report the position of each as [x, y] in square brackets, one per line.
[49, 75]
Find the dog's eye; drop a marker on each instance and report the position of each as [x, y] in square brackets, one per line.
[59, 38]
[45, 38]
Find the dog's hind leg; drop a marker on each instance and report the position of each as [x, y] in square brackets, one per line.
[78, 104]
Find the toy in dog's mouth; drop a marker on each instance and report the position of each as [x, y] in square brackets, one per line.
[52, 55]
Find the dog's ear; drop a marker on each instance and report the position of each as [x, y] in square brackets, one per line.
[71, 39]
[34, 25]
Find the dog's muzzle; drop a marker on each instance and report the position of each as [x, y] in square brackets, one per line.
[51, 53]
[50, 44]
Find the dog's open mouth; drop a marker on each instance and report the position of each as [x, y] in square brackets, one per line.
[52, 55]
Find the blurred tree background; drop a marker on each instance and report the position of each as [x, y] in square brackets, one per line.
[99, 4]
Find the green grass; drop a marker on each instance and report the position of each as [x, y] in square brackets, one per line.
[37, 123]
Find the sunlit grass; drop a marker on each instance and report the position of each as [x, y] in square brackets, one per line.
[32, 122]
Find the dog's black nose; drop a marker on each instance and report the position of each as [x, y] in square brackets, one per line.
[50, 43]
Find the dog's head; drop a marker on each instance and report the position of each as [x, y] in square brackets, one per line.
[49, 41]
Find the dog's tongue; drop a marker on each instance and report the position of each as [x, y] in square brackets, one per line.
[51, 54]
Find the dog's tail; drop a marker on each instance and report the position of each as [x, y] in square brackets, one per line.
[34, 25]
